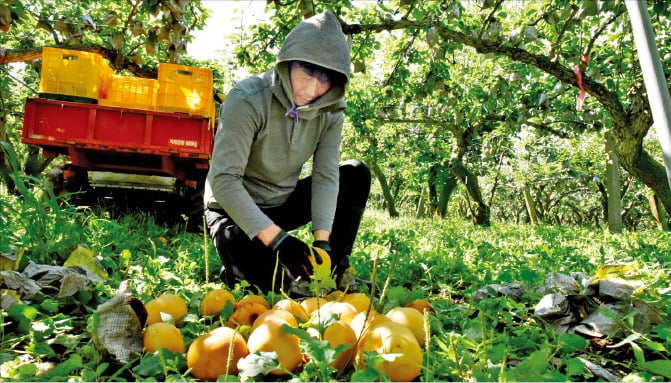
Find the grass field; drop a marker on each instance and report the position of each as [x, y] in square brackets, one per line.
[479, 332]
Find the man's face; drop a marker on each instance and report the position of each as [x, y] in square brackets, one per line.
[305, 87]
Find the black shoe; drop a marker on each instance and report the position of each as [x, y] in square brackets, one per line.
[227, 277]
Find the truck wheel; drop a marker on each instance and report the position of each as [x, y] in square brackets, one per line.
[75, 181]
[55, 179]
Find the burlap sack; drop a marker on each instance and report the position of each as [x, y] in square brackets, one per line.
[118, 325]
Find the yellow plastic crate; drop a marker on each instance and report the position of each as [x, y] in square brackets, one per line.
[184, 89]
[131, 92]
[72, 73]
[105, 79]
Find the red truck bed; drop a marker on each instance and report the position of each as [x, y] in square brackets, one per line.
[120, 139]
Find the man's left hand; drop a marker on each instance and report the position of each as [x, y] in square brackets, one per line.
[324, 245]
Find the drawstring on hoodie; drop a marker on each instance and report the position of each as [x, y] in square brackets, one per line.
[293, 113]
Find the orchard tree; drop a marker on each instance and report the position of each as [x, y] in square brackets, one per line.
[571, 65]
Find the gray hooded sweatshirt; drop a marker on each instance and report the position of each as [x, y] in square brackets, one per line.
[259, 149]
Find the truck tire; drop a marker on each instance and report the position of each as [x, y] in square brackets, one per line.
[78, 186]
[55, 179]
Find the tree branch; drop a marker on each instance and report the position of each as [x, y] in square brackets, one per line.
[496, 179]
[601, 29]
[400, 59]
[489, 18]
[640, 113]
[607, 98]
[554, 52]
[73, 37]
[409, 10]
[547, 128]
[45, 25]
[8, 56]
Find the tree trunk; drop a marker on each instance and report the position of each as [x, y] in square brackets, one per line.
[613, 186]
[481, 213]
[630, 125]
[433, 188]
[421, 205]
[4, 161]
[646, 169]
[530, 204]
[386, 191]
[438, 200]
[604, 198]
[658, 213]
[445, 194]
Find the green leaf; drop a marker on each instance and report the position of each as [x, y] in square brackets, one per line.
[654, 346]
[322, 322]
[638, 353]
[64, 369]
[536, 362]
[83, 256]
[369, 373]
[660, 367]
[24, 371]
[572, 342]
[149, 366]
[259, 363]
[321, 273]
[396, 296]
[663, 331]
[574, 367]
[529, 275]
[44, 350]
[84, 296]
[496, 353]
[22, 311]
[23, 314]
[318, 351]
[126, 256]
[227, 310]
[228, 378]
[101, 368]
[50, 305]
[160, 363]
[590, 8]
[18, 9]
[530, 369]
[418, 13]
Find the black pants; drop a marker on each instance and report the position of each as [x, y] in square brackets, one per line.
[243, 258]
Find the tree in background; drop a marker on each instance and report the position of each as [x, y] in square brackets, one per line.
[442, 93]
[570, 65]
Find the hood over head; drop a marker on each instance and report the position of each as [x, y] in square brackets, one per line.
[318, 40]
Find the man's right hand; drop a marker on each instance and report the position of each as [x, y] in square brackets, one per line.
[293, 254]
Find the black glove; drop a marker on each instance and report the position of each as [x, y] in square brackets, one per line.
[324, 245]
[293, 254]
